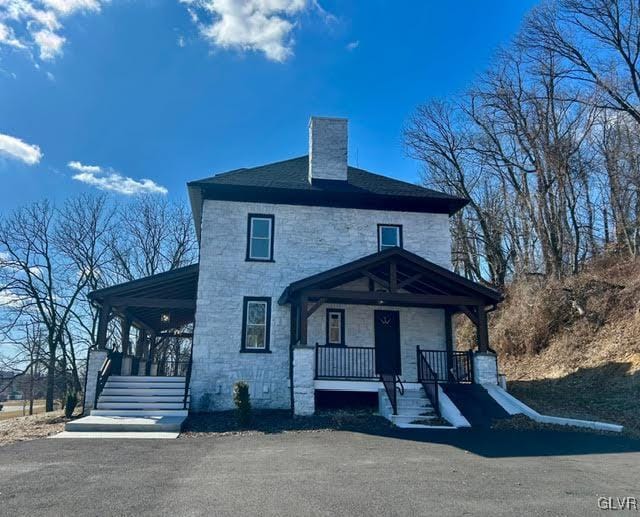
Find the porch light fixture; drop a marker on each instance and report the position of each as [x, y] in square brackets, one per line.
[380, 302]
[165, 318]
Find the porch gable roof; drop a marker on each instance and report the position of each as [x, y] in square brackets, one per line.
[415, 275]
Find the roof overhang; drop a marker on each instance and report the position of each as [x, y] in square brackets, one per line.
[157, 302]
[331, 198]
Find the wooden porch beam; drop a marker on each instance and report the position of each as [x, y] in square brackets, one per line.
[125, 330]
[303, 320]
[483, 330]
[448, 337]
[393, 277]
[376, 279]
[103, 322]
[315, 306]
[470, 314]
[409, 281]
[160, 303]
[373, 298]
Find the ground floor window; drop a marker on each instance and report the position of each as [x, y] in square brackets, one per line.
[256, 324]
[335, 327]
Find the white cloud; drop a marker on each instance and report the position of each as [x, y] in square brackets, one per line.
[256, 25]
[81, 167]
[353, 45]
[37, 24]
[15, 148]
[10, 300]
[49, 43]
[108, 179]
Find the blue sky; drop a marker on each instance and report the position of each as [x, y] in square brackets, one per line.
[169, 91]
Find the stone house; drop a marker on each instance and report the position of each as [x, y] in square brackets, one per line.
[315, 278]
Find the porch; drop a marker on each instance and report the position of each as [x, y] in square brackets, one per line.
[138, 373]
[410, 304]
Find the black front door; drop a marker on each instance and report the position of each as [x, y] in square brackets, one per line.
[387, 341]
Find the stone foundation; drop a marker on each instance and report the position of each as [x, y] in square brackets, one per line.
[485, 368]
[94, 364]
[303, 377]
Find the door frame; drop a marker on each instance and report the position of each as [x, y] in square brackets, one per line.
[378, 346]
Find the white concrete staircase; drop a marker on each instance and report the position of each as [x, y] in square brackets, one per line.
[413, 407]
[136, 404]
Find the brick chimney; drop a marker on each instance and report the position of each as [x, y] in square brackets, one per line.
[327, 149]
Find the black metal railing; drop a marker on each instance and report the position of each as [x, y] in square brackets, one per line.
[187, 380]
[111, 366]
[429, 380]
[392, 385]
[455, 367]
[345, 362]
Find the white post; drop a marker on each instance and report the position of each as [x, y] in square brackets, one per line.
[303, 378]
[94, 364]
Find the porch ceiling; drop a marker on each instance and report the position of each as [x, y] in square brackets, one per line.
[396, 277]
[145, 301]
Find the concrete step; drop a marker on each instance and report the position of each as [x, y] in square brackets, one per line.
[409, 419]
[152, 398]
[95, 423]
[134, 404]
[139, 412]
[118, 435]
[138, 385]
[145, 378]
[143, 392]
[412, 412]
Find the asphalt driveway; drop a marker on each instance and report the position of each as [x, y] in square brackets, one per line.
[322, 473]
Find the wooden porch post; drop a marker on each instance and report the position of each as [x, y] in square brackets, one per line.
[483, 330]
[140, 342]
[303, 320]
[125, 326]
[103, 321]
[151, 351]
[448, 336]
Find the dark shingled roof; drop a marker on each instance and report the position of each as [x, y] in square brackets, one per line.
[293, 175]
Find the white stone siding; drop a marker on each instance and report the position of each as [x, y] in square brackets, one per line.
[485, 368]
[303, 377]
[94, 365]
[418, 326]
[328, 148]
[308, 240]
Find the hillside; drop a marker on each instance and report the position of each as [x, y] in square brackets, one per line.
[572, 347]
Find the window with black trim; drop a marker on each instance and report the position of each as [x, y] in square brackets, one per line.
[389, 236]
[260, 237]
[256, 324]
[335, 327]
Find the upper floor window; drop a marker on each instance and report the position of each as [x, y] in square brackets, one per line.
[256, 323]
[389, 236]
[335, 327]
[260, 237]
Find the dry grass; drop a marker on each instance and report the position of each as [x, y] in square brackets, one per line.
[572, 348]
[31, 427]
[15, 408]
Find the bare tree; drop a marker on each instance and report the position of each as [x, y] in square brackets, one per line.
[150, 235]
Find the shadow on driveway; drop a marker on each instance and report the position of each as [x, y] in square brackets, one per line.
[490, 443]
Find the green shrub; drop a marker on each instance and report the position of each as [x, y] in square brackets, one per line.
[70, 403]
[242, 401]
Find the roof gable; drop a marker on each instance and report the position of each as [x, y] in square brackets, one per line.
[418, 274]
